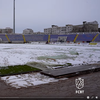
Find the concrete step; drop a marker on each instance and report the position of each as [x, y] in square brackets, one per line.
[72, 71]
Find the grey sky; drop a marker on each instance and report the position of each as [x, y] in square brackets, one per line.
[40, 14]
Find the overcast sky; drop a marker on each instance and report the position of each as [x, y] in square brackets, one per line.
[40, 14]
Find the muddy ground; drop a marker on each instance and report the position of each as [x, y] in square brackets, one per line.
[63, 88]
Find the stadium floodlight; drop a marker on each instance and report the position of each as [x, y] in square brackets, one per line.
[13, 16]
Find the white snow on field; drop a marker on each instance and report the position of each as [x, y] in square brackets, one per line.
[59, 54]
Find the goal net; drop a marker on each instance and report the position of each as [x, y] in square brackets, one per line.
[62, 38]
[59, 39]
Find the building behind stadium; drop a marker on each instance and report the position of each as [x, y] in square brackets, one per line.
[85, 27]
[6, 30]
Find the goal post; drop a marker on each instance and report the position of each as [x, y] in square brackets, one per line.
[62, 38]
[59, 39]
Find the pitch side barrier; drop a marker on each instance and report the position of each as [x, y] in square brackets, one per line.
[10, 38]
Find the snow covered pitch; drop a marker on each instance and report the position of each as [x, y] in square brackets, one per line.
[47, 54]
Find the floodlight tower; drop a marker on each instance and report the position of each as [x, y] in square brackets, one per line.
[14, 16]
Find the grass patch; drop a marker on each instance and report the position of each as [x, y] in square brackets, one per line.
[69, 64]
[17, 69]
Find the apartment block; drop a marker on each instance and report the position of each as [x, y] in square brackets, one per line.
[6, 30]
[28, 31]
[85, 27]
[58, 30]
[48, 31]
[69, 28]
